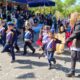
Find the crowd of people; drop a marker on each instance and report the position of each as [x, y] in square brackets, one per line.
[54, 34]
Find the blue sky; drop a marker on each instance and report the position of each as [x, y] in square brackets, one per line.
[78, 1]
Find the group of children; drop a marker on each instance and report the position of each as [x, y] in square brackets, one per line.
[8, 38]
[47, 41]
[52, 42]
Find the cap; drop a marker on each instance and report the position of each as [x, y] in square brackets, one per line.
[52, 31]
[10, 24]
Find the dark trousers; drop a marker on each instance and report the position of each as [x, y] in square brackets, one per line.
[50, 56]
[9, 48]
[28, 44]
[75, 55]
[44, 49]
[16, 46]
[2, 42]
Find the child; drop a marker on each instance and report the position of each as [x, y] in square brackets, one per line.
[2, 35]
[61, 36]
[39, 41]
[28, 41]
[45, 39]
[51, 47]
[9, 41]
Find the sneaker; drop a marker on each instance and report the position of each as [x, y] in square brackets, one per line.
[71, 74]
[54, 61]
[33, 51]
[50, 68]
[12, 61]
[46, 57]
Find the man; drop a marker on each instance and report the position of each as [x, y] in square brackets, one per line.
[75, 47]
[31, 21]
[9, 41]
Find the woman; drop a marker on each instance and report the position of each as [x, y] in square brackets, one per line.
[75, 47]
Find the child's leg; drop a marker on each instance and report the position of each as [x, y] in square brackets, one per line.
[44, 50]
[6, 48]
[49, 59]
[31, 47]
[52, 57]
[49, 63]
[12, 53]
[25, 45]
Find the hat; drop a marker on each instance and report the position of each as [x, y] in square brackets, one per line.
[52, 31]
[10, 24]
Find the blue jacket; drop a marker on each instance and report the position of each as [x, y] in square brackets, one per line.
[9, 37]
[28, 36]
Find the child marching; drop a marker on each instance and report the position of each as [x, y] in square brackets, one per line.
[28, 41]
[51, 47]
[10, 41]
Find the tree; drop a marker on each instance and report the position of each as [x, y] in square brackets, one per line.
[65, 7]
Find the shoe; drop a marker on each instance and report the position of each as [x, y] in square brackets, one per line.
[46, 57]
[50, 68]
[12, 61]
[71, 74]
[2, 51]
[54, 61]
[23, 54]
[33, 51]
[17, 51]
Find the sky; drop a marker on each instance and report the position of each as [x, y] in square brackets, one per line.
[78, 1]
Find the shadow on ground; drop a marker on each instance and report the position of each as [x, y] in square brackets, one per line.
[35, 63]
[25, 76]
[25, 67]
[66, 59]
[29, 54]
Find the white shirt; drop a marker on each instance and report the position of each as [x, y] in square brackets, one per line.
[31, 21]
[75, 49]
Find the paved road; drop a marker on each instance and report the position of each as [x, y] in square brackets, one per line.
[30, 67]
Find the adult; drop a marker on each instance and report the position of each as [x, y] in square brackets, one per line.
[31, 20]
[75, 47]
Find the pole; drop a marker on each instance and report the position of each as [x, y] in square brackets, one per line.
[6, 9]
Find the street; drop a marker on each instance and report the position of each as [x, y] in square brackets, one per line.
[30, 67]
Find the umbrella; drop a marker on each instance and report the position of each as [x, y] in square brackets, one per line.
[37, 3]
[20, 1]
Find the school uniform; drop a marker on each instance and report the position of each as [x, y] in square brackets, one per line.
[44, 42]
[50, 51]
[9, 44]
[16, 34]
[2, 36]
[51, 47]
[28, 42]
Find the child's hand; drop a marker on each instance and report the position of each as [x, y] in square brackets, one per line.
[30, 41]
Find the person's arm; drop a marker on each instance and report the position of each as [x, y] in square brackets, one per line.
[73, 35]
[9, 39]
[58, 41]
